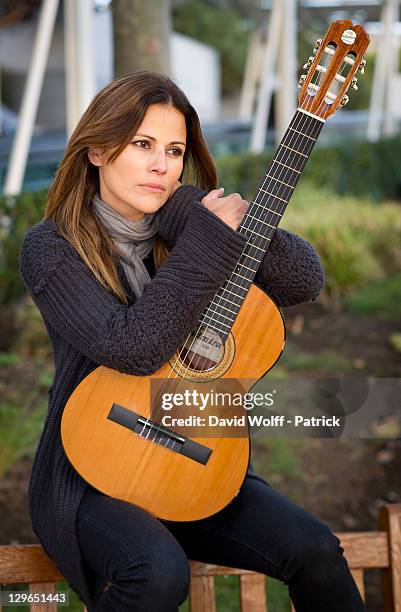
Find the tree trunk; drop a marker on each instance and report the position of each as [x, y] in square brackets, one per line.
[141, 35]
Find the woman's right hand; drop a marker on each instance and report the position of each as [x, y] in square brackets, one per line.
[230, 209]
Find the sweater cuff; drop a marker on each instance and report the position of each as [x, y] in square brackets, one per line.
[213, 244]
[174, 214]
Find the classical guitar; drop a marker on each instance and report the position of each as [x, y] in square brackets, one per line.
[113, 429]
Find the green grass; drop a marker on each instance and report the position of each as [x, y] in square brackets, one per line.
[381, 299]
[294, 360]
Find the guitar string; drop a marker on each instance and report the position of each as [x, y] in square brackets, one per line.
[174, 367]
[320, 78]
[269, 219]
[320, 75]
[240, 286]
[301, 125]
[263, 238]
[279, 176]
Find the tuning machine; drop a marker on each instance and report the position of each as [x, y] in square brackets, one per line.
[318, 44]
[344, 100]
[361, 66]
[302, 80]
[353, 83]
[309, 63]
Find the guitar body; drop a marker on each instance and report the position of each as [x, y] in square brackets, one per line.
[126, 465]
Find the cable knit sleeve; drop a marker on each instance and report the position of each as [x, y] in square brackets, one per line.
[174, 214]
[140, 338]
[290, 272]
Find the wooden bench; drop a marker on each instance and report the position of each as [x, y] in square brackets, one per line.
[28, 564]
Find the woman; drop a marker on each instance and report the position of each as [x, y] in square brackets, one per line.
[94, 267]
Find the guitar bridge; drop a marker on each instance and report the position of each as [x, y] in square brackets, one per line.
[154, 432]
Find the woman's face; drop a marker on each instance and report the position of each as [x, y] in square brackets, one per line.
[153, 157]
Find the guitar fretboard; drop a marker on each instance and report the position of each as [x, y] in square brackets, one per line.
[263, 217]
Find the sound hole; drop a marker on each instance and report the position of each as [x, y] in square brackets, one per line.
[203, 351]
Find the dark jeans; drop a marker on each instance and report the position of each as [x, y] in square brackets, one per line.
[146, 559]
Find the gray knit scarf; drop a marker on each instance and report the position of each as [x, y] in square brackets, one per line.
[134, 240]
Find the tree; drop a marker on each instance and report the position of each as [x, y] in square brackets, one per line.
[141, 36]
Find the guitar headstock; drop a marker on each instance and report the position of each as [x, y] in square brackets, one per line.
[331, 70]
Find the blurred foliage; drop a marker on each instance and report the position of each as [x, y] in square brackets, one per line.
[395, 341]
[381, 299]
[16, 216]
[222, 28]
[28, 365]
[359, 168]
[359, 241]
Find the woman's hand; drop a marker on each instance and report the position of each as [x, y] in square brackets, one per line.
[230, 209]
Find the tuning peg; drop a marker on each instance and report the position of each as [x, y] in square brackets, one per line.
[344, 100]
[309, 63]
[361, 66]
[353, 83]
[318, 43]
[302, 80]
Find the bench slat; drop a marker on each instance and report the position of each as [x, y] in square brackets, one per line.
[27, 563]
[202, 594]
[45, 587]
[358, 577]
[252, 593]
[365, 549]
[390, 521]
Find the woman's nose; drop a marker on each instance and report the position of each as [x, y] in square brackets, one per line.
[159, 162]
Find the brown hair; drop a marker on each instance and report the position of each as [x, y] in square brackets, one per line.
[109, 122]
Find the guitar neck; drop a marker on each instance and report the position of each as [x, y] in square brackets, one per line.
[263, 217]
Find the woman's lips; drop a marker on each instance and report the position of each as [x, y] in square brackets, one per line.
[152, 188]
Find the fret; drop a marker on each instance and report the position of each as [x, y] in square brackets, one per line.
[247, 267]
[264, 207]
[260, 221]
[225, 299]
[274, 196]
[222, 315]
[254, 258]
[291, 149]
[296, 142]
[205, 316]
[247, 229]
[288, 167]
[237, 285]
[289, 159]
[280, 181]
[211, 326]
[259, 248]
[234, 312]
[306, 135]
[232, 292]
[244, 277]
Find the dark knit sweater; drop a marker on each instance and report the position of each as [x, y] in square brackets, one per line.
[88, 327]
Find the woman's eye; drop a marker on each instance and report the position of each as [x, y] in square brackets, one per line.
[177, 152]
[141, 142]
